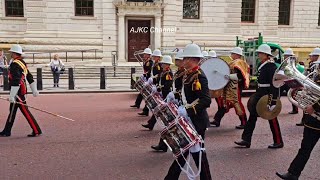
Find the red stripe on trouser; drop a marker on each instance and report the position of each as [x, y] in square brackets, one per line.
[243, 120]
[276, 130]
[29, 119]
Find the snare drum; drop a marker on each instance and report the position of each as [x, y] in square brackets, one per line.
[180, 136]
[140, 84]
[147, 90]
[154, 100]
[166, 113]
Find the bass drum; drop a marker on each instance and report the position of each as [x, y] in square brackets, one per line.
[217, 72]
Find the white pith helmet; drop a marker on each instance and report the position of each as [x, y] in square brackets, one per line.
[288, 52]
[157, 52]
[16, 49]
[237, 50]
[192, 50]
[166, 59]
[179, 54]
[315, 52]
[205, 53]
[212, 54]
[147, 51]
[265, 48]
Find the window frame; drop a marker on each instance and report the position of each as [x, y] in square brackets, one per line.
[289, 12]
[79, 15]
[254, 12]
[199, 11]
[13, 16]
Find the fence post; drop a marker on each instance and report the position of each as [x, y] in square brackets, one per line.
[103, 78]
[95, 54]
[133, 70]
[39, 79]
[82, 55]
[5, 79]
[66, 56]
[71, 79]
[50, 56]
[33, 58]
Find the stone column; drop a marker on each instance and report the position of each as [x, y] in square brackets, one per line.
[121, 38]
[157, 35]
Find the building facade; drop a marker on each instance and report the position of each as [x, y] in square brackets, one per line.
[126, 26]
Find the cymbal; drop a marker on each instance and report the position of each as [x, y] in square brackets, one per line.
[263, 111]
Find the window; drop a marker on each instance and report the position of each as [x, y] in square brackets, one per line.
[319, 17]
[284, 12]
[84, 7]
[14, 8]
[191, 9]
[248, 10]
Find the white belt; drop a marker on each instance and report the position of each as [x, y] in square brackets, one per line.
[263, 85]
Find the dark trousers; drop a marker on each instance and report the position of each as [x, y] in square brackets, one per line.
[294, 108]
[56, 76]
[251, 124]
[27, 114]
[152, 121]
[310, 139]
[145, 109]
[175, 171]
[138, 100]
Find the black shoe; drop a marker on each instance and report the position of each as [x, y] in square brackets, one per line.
[240, 127]
[275, 146]
[135, 106]
[293, 112]
[215, 123]
[243, 143]
[34, 134]
[300, 124]
[158, 148]
[4, 134]
[143, 114]
[57, 85]
[147, 126]
[287, 176]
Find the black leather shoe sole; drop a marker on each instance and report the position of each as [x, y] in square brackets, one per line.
[143, 114]
[240, 127]
[33, 135]
[293, 112]
[243, 143]
[147, 126]
[299, 124]
[215, 124]
[287, 176]
[158, 149]
[275, 146]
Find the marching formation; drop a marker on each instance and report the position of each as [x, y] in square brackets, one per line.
[179, 101]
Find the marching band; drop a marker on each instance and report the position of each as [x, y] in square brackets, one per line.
[179, 101]
[191, 96]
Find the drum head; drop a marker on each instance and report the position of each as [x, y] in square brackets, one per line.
[216, 71]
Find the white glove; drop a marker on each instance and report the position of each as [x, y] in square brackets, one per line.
[271, 108]
[150, 81]
[195, 148]
[182, 111]
[13, 93]
[34, 89]
[234, 77]
[170, 97]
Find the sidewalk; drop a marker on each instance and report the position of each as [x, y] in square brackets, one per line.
[83, 86]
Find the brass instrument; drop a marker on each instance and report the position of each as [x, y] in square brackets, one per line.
[304, 92]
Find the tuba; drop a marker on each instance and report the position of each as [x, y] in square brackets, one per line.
[303, 91]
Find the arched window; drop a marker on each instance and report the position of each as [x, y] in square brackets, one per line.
[191, 9]
[248, 9]
[14, 8]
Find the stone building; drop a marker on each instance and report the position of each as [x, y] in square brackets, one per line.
[126, 26]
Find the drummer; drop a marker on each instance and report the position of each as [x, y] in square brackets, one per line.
[196, 98]
[156, 69]
[164, 86]
[176, 94]
[231, 96]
